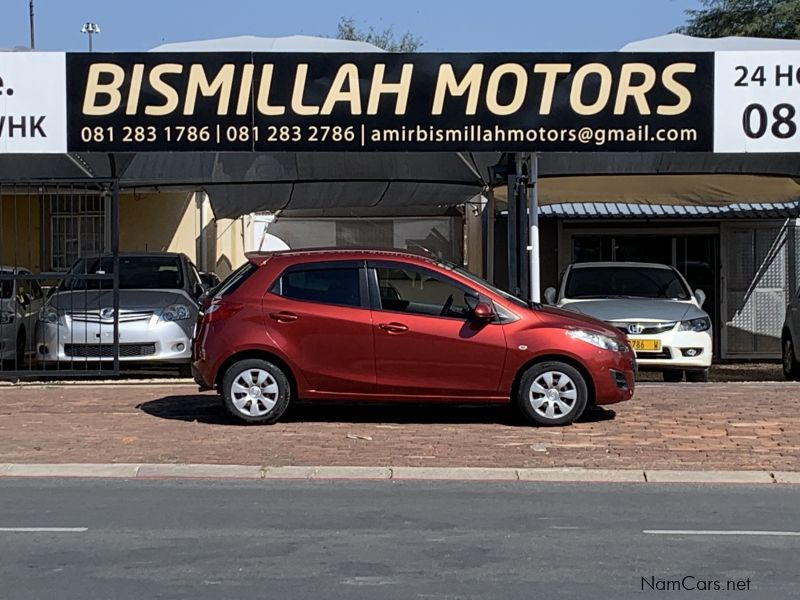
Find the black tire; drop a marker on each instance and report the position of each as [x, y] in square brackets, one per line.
[791, 370]
[673, 376]
[700, 376]
[527, 395]
[246, 370]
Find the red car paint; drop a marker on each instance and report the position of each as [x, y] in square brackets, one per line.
[366, 354]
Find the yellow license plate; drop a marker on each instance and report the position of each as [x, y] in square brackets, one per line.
[646, 345]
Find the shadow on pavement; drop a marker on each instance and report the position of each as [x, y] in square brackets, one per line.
[208, 409]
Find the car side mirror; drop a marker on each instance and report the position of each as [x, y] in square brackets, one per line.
[701, 296]
[550, 295]
[483, 312]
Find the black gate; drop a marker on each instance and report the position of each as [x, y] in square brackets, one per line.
[59, 300]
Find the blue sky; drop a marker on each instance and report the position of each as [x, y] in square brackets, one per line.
[465, 25]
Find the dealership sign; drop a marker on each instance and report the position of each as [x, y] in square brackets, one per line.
[639, 102]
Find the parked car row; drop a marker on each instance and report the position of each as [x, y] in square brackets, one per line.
[368, 325]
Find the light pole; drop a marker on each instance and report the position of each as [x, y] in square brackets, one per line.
[90, 29]
[33, 40]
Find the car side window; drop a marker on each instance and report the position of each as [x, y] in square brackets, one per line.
[323, 285]
[410, 290]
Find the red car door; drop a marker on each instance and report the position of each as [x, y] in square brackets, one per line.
[318, 314]
[425, 342]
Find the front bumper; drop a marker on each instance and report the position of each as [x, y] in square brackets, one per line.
[614, 377]
[139, 341]
[679, 350]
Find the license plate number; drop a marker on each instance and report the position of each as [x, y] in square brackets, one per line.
[646, 345]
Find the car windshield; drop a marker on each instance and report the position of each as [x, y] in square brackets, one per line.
[135, 273]
[6, 288]
[624, 282]
[483, 283]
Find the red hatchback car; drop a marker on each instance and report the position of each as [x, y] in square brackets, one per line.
[385, 325]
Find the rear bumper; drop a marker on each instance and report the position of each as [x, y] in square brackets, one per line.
[200, 378]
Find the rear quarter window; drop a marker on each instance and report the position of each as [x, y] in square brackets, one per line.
[235, 280]
[321, 285]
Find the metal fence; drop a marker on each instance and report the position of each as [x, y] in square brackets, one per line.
[59, 300]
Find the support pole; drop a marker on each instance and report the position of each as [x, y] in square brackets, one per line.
[489, 235]
[514, 241]
[533, 227]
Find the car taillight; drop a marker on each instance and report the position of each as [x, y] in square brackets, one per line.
[219, 311]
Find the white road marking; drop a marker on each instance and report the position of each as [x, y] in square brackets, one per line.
[43, 529]
[719, 532]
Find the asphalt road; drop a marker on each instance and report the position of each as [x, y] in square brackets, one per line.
[332, 540]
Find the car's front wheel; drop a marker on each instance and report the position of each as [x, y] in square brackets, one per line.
[552, 393]
[791, 370]
[255, 391]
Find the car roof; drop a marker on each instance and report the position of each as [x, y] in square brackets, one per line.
[309, 254]
[623, 264]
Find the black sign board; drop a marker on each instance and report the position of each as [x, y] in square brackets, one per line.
[398, 102]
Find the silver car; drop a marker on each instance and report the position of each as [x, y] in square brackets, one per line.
[20, 301]
[790, 337]
[652, 304]
[158, 305]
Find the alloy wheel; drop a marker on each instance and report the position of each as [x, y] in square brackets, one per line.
[254, 392]
[553, 394]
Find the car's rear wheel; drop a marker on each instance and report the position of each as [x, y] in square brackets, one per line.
[552, 393]
[673, 376]
[791, 370]
[255, 391]
[700, 376]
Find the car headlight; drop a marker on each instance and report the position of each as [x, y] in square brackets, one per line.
[48, 314]
[175, 312]
[597, 339]
[6, 318]
[700, 324]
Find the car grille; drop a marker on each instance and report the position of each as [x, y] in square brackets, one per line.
[663, 354]
[107, 350]
[647, 328]
[94, 316]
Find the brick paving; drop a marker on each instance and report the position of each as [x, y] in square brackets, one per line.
[704, 426]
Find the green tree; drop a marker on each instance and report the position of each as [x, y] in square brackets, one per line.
[750, 18]
[386, 39]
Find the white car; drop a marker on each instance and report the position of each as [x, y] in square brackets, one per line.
[652, 304]
[20, 301]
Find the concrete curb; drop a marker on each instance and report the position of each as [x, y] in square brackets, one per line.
[312, 473]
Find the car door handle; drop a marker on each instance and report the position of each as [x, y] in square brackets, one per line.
[283, 317]
[393, 327]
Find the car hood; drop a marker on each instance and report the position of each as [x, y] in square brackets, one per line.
[577, 320]
[638, 309]
[129, 300]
